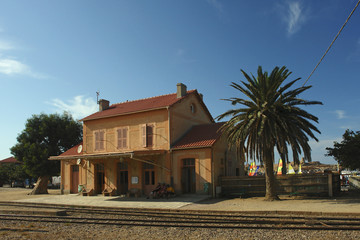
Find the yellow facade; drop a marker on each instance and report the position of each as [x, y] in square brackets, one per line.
[114, 158]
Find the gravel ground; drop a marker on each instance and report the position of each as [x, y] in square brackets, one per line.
[35, 230]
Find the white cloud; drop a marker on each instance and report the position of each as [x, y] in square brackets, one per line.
[319, 150]
[11, 67]
[217, 5]
[294, 16]
[79, 106]
[323, 143]
[4, 45]
[340, 114]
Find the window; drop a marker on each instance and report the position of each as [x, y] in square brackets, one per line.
[123, 166]
[122, 136]
[75, 168]
[100, 140]
[149, 174]
[188, 162]
[192, 108]
[147, 135]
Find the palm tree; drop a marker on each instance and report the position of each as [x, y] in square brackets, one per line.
[270, 117]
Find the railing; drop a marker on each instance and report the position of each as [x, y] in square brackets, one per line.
[304, 184]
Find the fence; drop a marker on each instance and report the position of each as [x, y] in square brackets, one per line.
[304, 184]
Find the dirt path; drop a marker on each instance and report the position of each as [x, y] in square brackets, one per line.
[346, 203]
[10, 194]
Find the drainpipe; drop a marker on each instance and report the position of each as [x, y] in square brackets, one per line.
[169, 128]
[225, 163]
[213, 172]
[170, 150]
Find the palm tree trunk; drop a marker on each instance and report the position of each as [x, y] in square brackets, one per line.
[269, 177]
[284, 169]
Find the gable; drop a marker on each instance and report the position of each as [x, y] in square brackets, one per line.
[141, 105]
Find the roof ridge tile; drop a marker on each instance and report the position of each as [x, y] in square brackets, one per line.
[148, 98]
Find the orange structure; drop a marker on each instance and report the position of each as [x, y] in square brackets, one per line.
[130, 147]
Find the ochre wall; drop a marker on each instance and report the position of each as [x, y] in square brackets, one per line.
[135, 169]
[182, 119]
[202, 167]
[226, 160]
[134, 123]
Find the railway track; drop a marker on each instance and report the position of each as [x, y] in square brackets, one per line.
[182, 219]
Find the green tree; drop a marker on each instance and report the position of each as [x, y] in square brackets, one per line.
[44, 136]
[12, 172]
[347, 153]
[5, 170]
[269, 117]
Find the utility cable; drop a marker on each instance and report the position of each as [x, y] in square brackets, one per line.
[332, 42]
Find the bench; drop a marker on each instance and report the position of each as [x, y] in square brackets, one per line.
[133, 192]
[87, 192]
[234, 193]
[109, 192]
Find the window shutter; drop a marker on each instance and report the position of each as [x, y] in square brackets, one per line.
[119, 137]
[143, 135]
[99, 140]
[124, 137]
[149, 135]
[102, 140]
[96, 141]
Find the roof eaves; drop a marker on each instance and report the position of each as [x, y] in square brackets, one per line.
[122, 114]
[193, 147]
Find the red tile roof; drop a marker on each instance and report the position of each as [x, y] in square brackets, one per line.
[72, 151]
[146, 104]
[204, 135]
[9, 160]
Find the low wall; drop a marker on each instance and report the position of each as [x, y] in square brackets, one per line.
[354, 182]
[304, 184]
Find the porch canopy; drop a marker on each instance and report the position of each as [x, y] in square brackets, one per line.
[76, 153]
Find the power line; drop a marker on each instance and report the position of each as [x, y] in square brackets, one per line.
[332, 41]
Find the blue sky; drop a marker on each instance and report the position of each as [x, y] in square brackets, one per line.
[55, 55]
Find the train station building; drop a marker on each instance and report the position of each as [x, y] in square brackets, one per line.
[134, 145]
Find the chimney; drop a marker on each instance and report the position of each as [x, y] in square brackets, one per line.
[103, 105]
[181, 90]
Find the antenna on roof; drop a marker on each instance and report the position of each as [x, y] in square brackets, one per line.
[97, 97]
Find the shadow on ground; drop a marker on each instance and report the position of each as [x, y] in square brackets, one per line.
[348, 197]
[180, 198]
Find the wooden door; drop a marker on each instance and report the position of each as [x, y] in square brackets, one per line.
[122, 178]
[149, 178]
[99, 178]
[74, 179]
[188, 176]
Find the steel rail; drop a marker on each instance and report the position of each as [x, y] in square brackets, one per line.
[255, 223]
[181, 213]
